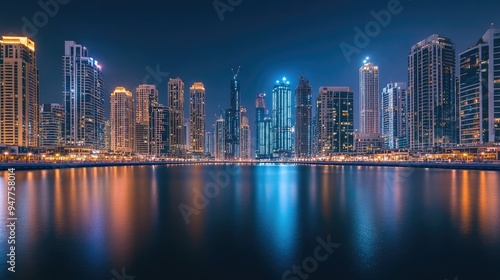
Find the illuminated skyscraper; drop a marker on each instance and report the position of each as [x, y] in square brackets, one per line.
[51, 125]
[83, 90]
[263, 125]
[219, 139]
[197, 117]
[209, 144]
[282, 119]
[303, 119]
[394, 106]
[335, 120]
[122, 121]
[245, 144]
[146, 97]
[19, 92]
[159, 131]
[232, 121]
[369, 97]
[480, 91]
[176, 115]
[431, 93]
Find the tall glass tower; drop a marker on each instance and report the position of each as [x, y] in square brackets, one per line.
[480, 91]
[282, 119]
[176, 117]
[83, 90]
[303, 119]
[19, 92]
[394, 126]
[197, 117]
[369, 97]
[431, 93]
[233, 121]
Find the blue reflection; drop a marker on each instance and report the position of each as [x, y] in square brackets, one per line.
[277, 193]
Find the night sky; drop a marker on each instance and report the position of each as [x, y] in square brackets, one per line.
[269, 39]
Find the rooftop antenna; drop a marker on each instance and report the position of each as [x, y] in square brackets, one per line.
[235, 76]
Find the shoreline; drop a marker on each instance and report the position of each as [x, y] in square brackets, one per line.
[25, 166]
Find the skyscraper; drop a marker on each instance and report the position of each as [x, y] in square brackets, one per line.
[245, 146]
[197, 117]
[394, 106]
[209, 144]
[480, 91]
[219, 139]
[369, 98]
[431, 112]
[176, 115]
[335, 120]
[83, 90]
[263, 137]
[303, 119]
[19, 92]
[282, 119]
[159, 130]
[51, 125]
[233, 120]
[122, 120]
[146, 97]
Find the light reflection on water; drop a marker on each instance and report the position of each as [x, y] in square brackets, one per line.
[264, 221]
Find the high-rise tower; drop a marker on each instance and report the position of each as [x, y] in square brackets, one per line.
[335, 120]
[176, 115]
[369, 98]
[233, 120]
[197, 117]
[122, 120]
[83, 90]
[303, 119]
[282, 119]
[431, 93]
[19, 92]
[480, 91]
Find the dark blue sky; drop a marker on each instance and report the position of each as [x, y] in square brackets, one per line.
[269, 39]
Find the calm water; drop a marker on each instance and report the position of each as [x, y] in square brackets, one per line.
[390, 223]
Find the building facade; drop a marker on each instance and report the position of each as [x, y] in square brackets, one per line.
[282, 119]
[479, 97]
[159, 130]
[19, 92]
[233, 120]
[335, 120]
[431, 92]
[146, 97]
[394, 108]
[245, 136]
[176, 115]
[303, 119]
[122, 120]
[51, 125]
[369, 99]
[220, 139]
[263, 131]
[83, 90]
[197, 118]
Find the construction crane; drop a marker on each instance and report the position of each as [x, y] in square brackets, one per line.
[236, 75]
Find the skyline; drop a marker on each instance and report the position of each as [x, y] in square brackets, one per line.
[314, 53]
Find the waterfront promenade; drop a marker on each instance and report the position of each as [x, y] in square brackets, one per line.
[495, 166]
